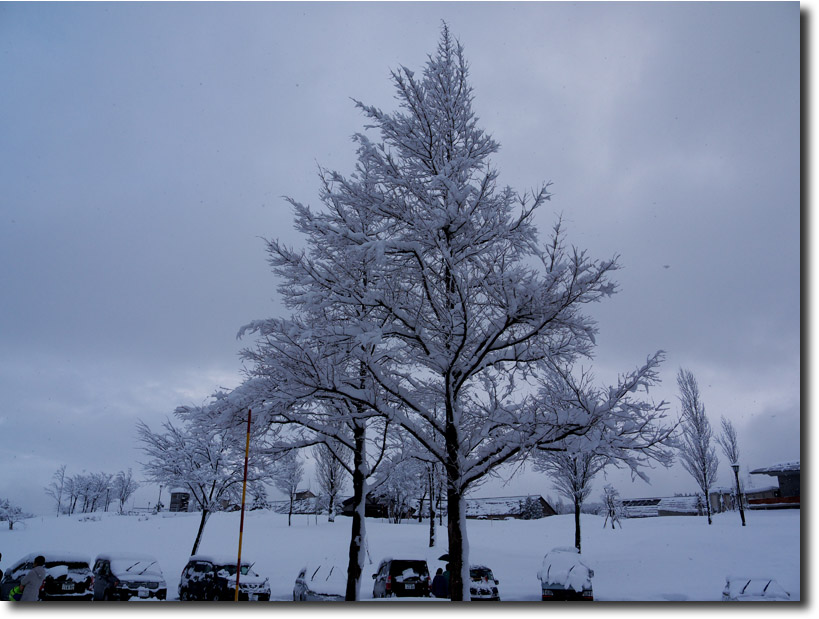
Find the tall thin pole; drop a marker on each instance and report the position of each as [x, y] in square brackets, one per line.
[242, 517]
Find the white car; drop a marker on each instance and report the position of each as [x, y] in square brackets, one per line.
[321, 582]
[483, 585]
[564, 576]
[742, 589]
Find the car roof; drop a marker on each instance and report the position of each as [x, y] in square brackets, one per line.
[218, 559]
[52, 556]
[119, 556]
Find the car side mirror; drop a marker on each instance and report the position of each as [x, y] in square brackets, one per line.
[373, 576]
[497, 582]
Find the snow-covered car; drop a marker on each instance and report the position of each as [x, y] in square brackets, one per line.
[402, 578]
[122, 576]
[483, 585]
[68, 576]
[564, 576]
[209, 577]
[321, 582]
[741, 589]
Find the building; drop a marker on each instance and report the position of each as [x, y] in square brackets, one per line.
[691, 505]
[526, 507]
[787, 494]
[180, 500]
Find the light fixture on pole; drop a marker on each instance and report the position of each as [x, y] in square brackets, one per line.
[735, 466]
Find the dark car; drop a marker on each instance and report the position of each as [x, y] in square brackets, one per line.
[322, 582]
[564, 577]
[402, 578]
[207, 577]
[68, 576]
[122, 576]
[483, 585]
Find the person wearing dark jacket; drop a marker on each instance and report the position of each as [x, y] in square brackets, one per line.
[439, 588]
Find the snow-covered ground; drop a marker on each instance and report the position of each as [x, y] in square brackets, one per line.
[648, 559]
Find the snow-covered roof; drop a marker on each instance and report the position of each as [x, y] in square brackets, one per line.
[497, 506]
[784, 467]
[679, 504]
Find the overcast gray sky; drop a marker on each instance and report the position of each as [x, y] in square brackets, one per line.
[145, 149]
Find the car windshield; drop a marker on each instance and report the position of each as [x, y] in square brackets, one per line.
[135, 566]
[409, 569]
[231, 569]
[479, 573]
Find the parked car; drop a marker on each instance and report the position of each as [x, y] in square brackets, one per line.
[740, 589]
[402, 578]
[483, 585]
[322, 582]
[208, 577]
[68, 576]
[564, 577]
[121, 576]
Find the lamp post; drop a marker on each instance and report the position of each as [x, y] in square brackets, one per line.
[735, 466]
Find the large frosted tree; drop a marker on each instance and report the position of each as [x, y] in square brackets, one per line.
[429, 285]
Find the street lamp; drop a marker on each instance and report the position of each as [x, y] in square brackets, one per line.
[735, 466]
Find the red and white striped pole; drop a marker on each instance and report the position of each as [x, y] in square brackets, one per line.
[242, 518]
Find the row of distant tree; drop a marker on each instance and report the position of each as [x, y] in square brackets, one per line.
[90, 492]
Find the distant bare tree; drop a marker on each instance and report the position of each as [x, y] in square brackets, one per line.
[57, 487]
[730, 447]
[571, 474]
[697, 451]
[728, 441]
[123, 487]
[287, 477]
[332, 462]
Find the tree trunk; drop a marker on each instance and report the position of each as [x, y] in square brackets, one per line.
[358, 533]
[290, 511]
[431, 510]
[577, 524]
[331, 516]
[205, 516]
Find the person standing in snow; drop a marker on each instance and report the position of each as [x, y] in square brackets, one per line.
[32, 581]
[439, 585]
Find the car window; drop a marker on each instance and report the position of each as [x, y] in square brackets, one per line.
[409, 569]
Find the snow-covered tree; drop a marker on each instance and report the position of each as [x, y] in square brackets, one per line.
[56, 488]
[124, 486]
[697, 450]
[728, 441]
[12, 513]
[205, 459]
[612, 506]
[431, 283]
[402, 478]
[331, 473]
[571, 474]
[730, 447]
[287, 477]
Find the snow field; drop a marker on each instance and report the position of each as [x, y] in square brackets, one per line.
[649, 559]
